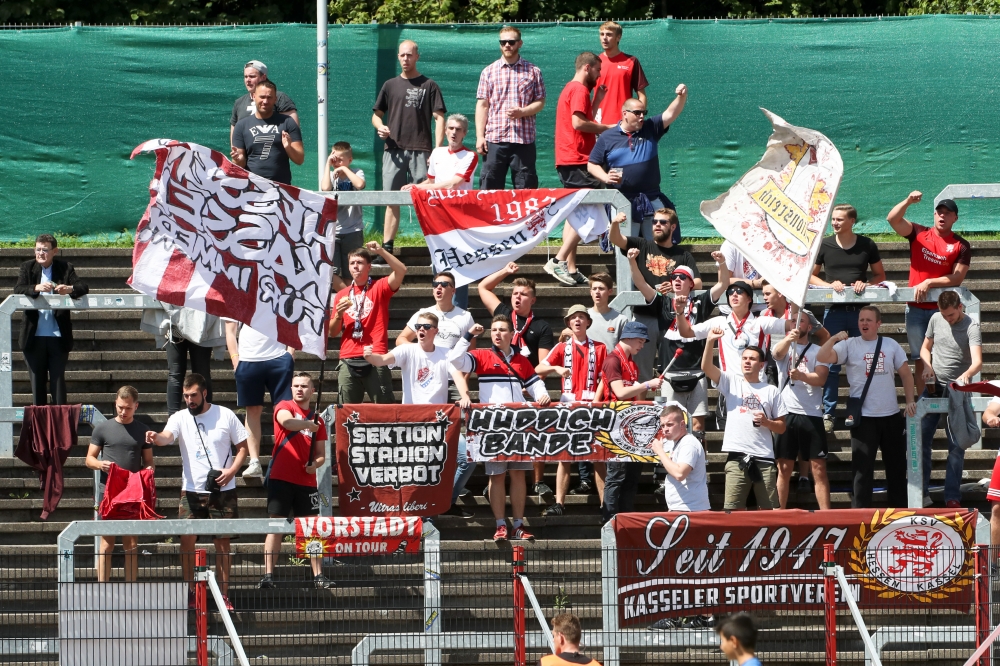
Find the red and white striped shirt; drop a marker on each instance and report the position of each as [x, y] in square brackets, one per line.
[506, 87]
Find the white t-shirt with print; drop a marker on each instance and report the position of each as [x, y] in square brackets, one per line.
[221, 431]
[855, 354]
[739, 267]
[691, 494]
[451, 325]
[742, 399]
[739, 335]
[425, 375]
[800, 397]
[253, 346]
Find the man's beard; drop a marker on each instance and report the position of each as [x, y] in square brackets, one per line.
[196, 410]
[660, 236]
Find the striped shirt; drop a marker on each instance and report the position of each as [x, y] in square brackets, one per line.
[496, 383]
[506, 87]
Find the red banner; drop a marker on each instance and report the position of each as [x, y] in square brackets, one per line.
[317, 536]
[396, 460]
[613, 431]
[684, 564]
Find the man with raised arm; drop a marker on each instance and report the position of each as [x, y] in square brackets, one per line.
[755, 410]
[880, 424]
[362, 314]
[505, 375]
[938, 258]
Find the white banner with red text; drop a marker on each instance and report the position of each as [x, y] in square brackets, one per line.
[473, 233]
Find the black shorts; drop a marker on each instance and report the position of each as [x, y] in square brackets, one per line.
[290, 500]
[577, 176]
[803, 435]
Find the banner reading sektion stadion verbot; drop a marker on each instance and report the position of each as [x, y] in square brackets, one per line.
[683, 564]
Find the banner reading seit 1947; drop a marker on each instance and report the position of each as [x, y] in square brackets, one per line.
[684, 564]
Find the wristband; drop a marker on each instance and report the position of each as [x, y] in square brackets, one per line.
[646, 384]
[468, 336]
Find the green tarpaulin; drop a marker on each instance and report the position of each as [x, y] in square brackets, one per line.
[910, 102]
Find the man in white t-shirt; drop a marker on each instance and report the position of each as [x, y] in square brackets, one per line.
[881, 424]
[259, 363]
[802, 393]
[451, 167]
[683, 456]
[426, 367]
[453, 322]
[206, 435]
[754, 411]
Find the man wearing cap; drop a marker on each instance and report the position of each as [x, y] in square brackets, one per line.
[938, 258]
[578, 362]
[253, 73]
[621, 379]
[658, 259]
[755, 410]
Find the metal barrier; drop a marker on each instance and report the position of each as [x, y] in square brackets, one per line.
[914, 443]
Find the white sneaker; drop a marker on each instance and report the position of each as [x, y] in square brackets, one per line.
[253, 469]
[561, 273]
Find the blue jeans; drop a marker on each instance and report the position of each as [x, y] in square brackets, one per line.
[837, 319]
[956, 458]
[464, 469]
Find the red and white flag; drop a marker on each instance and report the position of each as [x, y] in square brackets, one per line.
[222, 240]
[473, 233]
[777, 212]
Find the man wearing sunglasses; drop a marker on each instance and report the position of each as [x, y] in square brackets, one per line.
[657, 259]
[453, 321]
[511, 93]
[626, 157]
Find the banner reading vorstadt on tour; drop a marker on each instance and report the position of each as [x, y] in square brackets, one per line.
[615, 431]
[683, 564]
[473, 233]
[777, 212]
[367, 535]
[396, 460]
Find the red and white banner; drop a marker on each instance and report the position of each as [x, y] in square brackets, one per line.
[683, 564]
[473, 233]
[317, 536]
[219, 239]
[396, 460]
[777, 212]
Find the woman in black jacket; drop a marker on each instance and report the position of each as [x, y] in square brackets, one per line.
[47, 335]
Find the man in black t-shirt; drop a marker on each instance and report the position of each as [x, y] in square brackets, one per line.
[657, 260]
[531, 333]
[264, 142]
[844, 259]
[253, 73]
[411, 100]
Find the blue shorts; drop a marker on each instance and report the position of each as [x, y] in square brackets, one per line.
[254, 377]
[916, 328]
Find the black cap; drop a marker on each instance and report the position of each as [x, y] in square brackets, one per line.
[947, 204]
[741, 286]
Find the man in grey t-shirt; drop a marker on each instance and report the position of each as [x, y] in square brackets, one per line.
[121, 440]
[952, 352]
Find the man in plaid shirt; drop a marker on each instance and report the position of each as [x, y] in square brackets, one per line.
[511, 93]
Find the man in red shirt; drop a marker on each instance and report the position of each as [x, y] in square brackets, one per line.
[578, 362]
[362, 314]
[621, 377]
[291, 476]
[938, 258]
[621, 76]
[576, 133]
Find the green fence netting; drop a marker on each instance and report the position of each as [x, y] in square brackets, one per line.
[910, 102]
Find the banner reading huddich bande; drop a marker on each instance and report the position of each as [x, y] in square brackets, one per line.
[396, 460]
[683, 564]
[615, 431]
[222, 240]
[474, 233]
[777, 212]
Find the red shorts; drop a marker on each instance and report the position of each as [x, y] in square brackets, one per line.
[993, 494]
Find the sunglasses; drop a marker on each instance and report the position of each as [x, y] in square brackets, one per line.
[444, 284]
[636, 112]
[677, 276]
[508, 42]
[658, 222]
[423, 327]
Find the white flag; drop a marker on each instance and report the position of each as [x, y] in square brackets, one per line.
[777, 212]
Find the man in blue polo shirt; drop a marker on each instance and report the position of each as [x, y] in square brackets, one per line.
[626, 158]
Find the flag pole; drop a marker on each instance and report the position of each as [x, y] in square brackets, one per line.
[322, 362]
